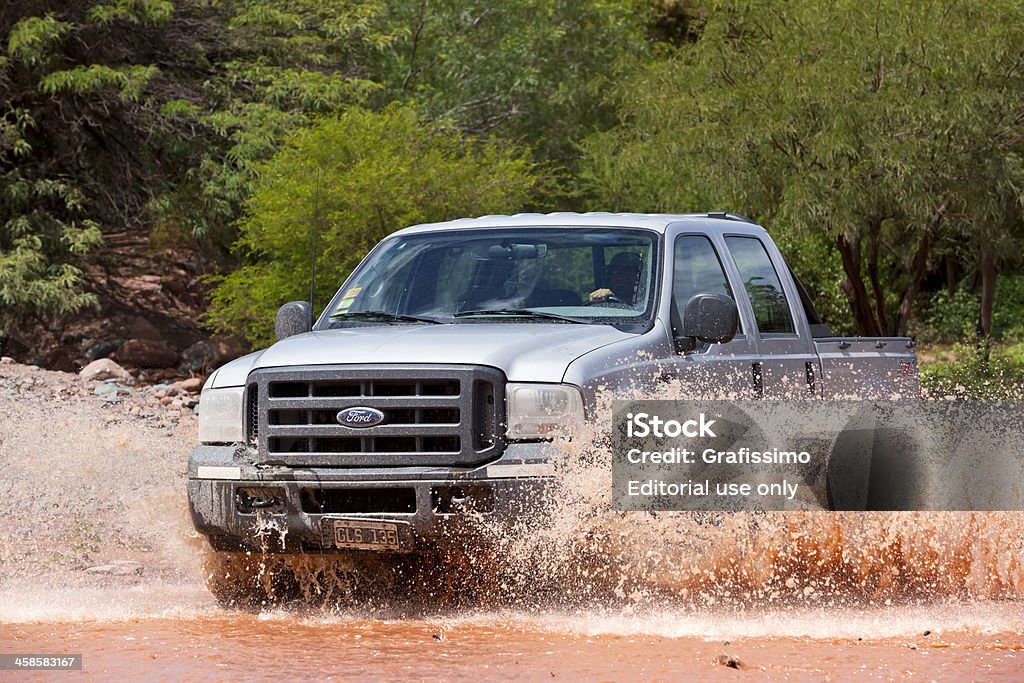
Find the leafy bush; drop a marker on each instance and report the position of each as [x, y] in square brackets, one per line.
[1008, 310]
[378, 172]
[972, 376]
[954, 318]
[41, 246]
[950, 318]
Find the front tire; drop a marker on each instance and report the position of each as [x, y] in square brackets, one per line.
[248, 580]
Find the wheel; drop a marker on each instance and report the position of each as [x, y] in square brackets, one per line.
[249, 580]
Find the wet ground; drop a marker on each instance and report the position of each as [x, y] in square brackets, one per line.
[97, 557]
[502, 646]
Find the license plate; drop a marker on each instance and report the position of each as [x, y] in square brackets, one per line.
[360, 535]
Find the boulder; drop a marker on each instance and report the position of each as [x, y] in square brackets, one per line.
[103, 349]
[207, 354]
[140, 328]
[102, 369]
[192, 385]
[144, 353]
[201, 356]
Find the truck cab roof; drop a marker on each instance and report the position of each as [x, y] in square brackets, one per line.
[658, 222]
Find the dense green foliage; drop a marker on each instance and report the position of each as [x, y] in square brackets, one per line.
[156, 115]
[970, 375]
[881, 144]
[339, 187]
[533, 71]
[277, 63]
[954, 318]
[68, 162]
[894, 129]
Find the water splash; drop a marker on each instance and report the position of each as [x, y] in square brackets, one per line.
[86, 486]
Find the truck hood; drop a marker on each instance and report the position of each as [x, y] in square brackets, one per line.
[525, 352]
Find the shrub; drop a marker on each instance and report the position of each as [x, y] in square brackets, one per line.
[378, 172]
[973, 376]
[955, 318]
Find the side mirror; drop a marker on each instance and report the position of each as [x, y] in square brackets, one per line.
[711, 318]
[295, 317]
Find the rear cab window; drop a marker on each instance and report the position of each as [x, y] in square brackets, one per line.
[763, 286]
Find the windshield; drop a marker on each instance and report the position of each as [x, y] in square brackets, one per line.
[550, 275]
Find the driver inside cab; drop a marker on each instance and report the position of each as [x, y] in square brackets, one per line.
[623, 276]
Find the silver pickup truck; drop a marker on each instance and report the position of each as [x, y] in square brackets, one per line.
[435, 379]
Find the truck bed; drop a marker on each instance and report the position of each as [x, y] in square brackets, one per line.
[868, 367]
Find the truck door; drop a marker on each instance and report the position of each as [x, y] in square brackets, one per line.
[789, 366]
[710, 369]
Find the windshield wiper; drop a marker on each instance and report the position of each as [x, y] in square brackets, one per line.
[384, 316]
[520, 312]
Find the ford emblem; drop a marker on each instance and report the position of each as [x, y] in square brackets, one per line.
[360, 417]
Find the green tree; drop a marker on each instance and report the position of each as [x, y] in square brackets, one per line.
[891, 128]
[353, 179]
[121, 116]
[79, 94]
[274, 65]
[533, 72]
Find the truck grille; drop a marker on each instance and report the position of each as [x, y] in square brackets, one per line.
[451, 415]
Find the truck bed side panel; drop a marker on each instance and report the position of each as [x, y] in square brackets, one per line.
[868, 367]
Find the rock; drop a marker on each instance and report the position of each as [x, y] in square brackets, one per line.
[201, 356]
[147, 354]
[61, 360]
[175, 285]
[731, 661]
[103, 349]
[117, 568]
[140, 328]
[103, 369]
[125, 567]
[192, 385]
[104, 389]
[6, 360]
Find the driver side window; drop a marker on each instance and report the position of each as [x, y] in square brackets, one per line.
[697, 270]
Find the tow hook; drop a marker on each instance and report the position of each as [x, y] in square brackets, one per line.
[250, 500]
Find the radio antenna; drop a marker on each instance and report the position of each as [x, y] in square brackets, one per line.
[313, 242]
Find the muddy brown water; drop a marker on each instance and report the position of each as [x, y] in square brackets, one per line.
[97, 557]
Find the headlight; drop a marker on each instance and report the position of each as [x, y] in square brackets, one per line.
[220, 415]
[539, 411]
